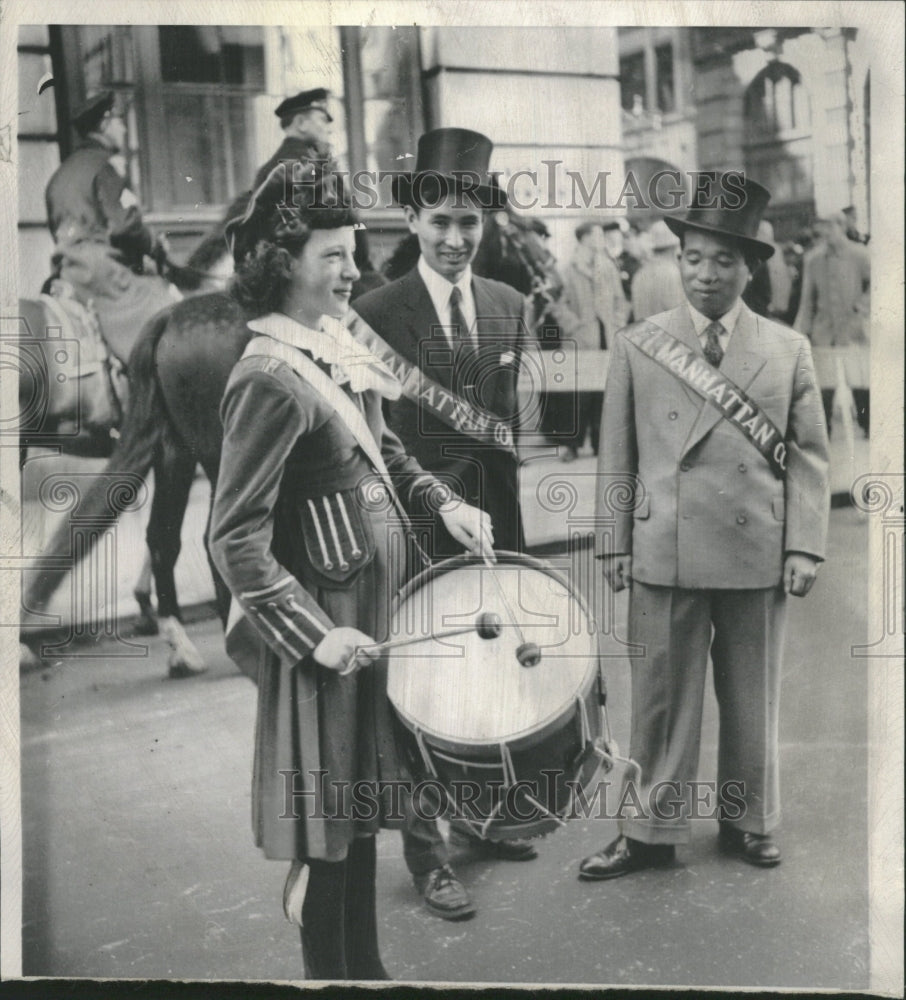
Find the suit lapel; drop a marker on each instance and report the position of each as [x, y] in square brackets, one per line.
[419, 318]
[741, 364]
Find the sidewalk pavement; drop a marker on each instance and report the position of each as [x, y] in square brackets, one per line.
[139, 860]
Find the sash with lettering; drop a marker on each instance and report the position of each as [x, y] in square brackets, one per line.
[740, 411]
[449, 408]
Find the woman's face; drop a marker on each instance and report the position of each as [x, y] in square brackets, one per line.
[323, 274]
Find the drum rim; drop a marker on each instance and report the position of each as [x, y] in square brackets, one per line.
[504, 557]
[524, 738]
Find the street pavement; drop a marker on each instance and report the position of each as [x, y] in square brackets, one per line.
[139, 861]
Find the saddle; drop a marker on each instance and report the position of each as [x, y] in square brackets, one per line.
[93, 398]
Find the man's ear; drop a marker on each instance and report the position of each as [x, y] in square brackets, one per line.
[411, 217]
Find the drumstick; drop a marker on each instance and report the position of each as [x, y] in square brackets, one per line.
[490, 566]
[487, 625]
[527, 653]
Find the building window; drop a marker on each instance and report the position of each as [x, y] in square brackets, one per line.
[647, 80]
[632, 82]
[209, 76]
[663, 65]
[188, 96]
[375, 76]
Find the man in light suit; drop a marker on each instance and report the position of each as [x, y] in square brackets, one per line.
[713, 414]
[466, 333]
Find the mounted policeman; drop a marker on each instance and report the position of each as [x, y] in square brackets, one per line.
[103, 254]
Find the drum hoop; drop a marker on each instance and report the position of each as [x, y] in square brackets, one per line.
[504, 558]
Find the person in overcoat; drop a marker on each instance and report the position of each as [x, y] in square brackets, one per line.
[304, 534]
[467, 334]
[834, 312]
[704, 406]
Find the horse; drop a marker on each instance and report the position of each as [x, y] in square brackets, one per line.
[178, 371]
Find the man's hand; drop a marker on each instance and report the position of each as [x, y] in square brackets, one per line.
[799, 572]
[470, 527]
[618, 572]
[341, 650]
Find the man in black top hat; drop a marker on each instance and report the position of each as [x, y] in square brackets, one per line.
[95, 220]
[713, 424]
[305, 120]
[466, 333]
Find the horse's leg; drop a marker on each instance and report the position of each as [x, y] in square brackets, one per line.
[174, 470]
[147, 619]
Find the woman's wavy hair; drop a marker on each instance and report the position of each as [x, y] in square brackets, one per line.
[277, 224]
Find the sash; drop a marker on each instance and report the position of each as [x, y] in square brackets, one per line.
[441, 403]
[339, 402]
[244, 644]
[740, 410]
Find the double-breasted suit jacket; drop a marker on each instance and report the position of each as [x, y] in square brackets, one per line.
[306, 544]
[708, 525]
[403, 314]
[707, 510]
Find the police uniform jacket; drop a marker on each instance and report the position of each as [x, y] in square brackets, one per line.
[87, 200]
[303, 539]
[214, 246]
[704, 509]
[403, 314]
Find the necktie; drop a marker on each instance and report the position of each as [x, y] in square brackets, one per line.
[461, 334]
[714, 353]
[465, 375]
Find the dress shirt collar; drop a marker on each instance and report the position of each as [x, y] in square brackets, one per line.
[333, 344]
[440, 289]
[728, 320]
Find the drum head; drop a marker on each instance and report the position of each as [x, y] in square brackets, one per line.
[466, 690]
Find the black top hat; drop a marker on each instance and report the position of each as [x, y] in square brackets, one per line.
[90, 113]
[729, 205]
[448, 159]
[306, 100]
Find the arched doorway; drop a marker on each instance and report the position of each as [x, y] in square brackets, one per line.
[778, 146]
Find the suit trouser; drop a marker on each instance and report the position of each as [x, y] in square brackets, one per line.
[424, 847]
[676, 628]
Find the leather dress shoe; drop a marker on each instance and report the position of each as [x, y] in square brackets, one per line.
[622, 856]
[444, 894]
[507, 850]
[757, 848]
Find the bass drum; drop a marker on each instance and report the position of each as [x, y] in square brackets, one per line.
[502, 695]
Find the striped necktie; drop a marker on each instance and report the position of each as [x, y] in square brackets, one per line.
[714, 353]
